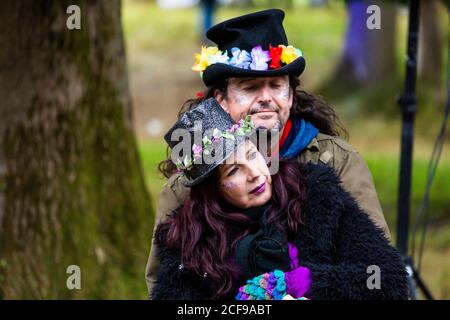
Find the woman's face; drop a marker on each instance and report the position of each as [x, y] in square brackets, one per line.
[244, 178]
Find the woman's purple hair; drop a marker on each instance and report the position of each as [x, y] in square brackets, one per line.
[206, 229]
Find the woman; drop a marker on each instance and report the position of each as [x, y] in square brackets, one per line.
[243, 233]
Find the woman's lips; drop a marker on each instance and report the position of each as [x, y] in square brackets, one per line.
[259, 189]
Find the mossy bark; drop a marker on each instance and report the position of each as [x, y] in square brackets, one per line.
[71, 186]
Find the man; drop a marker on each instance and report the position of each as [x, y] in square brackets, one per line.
[255, 72]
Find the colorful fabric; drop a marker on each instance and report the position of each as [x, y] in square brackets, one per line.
[268, 286]
[299, 137]
[276, 285]
[286, 130]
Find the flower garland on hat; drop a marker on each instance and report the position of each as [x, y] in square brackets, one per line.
[243, 127]
[257, 59]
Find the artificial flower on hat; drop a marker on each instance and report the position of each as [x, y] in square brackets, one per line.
[207, 56]
[240, 59]
[219, 57]
[257, 59]
[260, 58]
[289, 53]
[275, 56]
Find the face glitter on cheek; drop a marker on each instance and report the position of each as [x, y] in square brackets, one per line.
[229, 185]
[284, 94]
[239, 95]
[241, 99]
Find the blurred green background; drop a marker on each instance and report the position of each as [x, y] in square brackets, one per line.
[160, 48]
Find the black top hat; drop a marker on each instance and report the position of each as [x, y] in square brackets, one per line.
[209, 136]
[263, 28]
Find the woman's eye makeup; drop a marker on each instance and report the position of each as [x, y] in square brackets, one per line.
[232, 171]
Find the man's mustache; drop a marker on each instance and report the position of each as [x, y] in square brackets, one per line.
[264, 108]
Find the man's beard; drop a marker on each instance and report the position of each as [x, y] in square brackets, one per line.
[278, 125]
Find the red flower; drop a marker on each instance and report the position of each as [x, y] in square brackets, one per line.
[200, 94]
[275, 55]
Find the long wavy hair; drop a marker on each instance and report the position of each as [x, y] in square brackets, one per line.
[206, 229]
[305, 105]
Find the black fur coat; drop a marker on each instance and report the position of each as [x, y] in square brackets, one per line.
[337, 242]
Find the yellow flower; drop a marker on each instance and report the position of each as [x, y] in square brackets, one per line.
[202, 60]
[289, 54]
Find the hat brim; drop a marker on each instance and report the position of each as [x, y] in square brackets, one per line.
[219, 71]
[239, 140]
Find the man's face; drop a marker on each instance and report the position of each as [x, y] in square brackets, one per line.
[267, 100]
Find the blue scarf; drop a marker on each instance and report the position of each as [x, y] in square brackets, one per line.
[301, 134]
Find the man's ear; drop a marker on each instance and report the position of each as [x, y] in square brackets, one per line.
[218, 95]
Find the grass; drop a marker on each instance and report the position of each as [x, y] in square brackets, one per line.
[152, 152]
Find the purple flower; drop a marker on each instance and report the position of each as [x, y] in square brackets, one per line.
[240, 59]
[215, 140]
[260, 58]
[216, 136]
[197, 150]
[234, 128]
[272, 278]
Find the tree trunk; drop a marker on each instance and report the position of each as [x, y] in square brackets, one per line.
[368, 55]
[71, 187]
[431, 42]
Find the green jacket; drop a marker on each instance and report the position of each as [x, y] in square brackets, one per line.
[332, 151]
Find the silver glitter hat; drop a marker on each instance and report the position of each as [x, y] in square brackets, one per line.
[203, 138]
